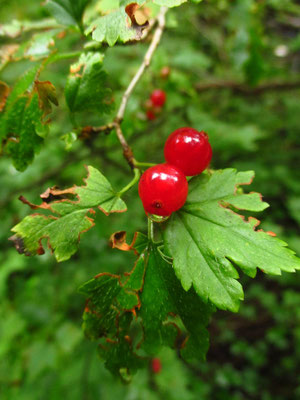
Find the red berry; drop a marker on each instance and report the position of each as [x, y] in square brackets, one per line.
[158, 98]
[156, 365]
[189, 150]
[150, 115]
[163, 189]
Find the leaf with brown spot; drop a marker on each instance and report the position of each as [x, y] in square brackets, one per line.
[72, 212]
[22, 128]
[138, 18]
[86, 88]
[47, 95]
[118, 241]
[123, 25]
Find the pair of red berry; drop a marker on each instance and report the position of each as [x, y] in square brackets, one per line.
[163, 188]
[155, 104]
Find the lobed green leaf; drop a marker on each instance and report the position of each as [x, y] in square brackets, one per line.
[86, 88]
[68, 219]
[215, 239]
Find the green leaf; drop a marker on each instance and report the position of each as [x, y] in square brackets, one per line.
[69, 139]
[162, 296]
[67, 12]
[152, 293]
[23, 122]
[206, 237]
[68, 219]
[86, 88]
[169, 3]
[40, 45]
[24, 84]
[108, 314]
[108, 297]
[116, 26]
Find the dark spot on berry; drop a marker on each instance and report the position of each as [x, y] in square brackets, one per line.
[157, 204]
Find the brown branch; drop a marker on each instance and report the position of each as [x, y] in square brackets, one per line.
[116, 124]
[128, 153]
[146, 62]
[248, 90]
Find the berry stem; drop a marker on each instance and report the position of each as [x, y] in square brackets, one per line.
[135, 179]
[150, 230]
[143, 164]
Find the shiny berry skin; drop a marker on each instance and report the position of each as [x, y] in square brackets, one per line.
[188, 150]
[163, 189]
[158, 98]
[156, 365]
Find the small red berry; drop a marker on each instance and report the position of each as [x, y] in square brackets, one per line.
[158, 98]
[189, 150]
[150, 115]
[163, 189]
[156, 365]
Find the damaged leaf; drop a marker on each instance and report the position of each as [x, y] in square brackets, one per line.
[71, 215]
[23, 125]
[47, 95]
[86, 88]
[118, 241]
[135, 315]
[123, 25]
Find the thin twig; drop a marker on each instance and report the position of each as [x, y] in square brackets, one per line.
[146, 62]
[161, 21]
[116, 124]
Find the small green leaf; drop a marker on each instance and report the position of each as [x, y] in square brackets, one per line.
[69, 218]
[206, 237]
[21, 123]
[69, 139]
[116, 26]
[40, 45]
[86, 88]
[67, 12]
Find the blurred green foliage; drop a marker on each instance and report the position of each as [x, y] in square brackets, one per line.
[254, 354]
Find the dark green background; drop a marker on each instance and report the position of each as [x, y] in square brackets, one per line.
[254, 354]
